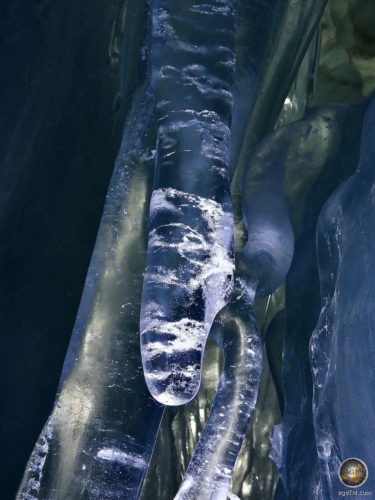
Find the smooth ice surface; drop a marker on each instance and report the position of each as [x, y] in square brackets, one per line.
[324, 144]
[342, 346]
[210, 470]
[99, 438]
[273, 37]
[267, 254]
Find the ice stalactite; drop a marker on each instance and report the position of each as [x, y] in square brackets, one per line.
[189, 272]
[264, 263]
[99, 438]
[342, 346]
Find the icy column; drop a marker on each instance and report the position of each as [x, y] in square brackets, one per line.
[343, 346]
[188, 277]
[99, 438]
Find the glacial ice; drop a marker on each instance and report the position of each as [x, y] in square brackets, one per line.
[99, 438]
[210, 470]
[260, 268]
[273, 37]
[167, 271]
[342, 346]
[189, 270]
[325, 144]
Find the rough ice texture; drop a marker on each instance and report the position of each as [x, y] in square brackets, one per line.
[189, 270]
[123, 458]
[36, 465]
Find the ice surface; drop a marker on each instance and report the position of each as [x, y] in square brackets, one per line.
[99, 438]
[189, 270]
[219, 73]
[210, 470]
[273, 37]
[342, 346]
[325, 146]
[268, 252]
[263, 265]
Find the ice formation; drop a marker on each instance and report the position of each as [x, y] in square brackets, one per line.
[189, 269]
[325, 143]
[342, 347]
[210, 470]
[175, 262]
[99, 438]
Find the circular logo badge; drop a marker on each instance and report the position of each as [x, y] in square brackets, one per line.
[353, 472]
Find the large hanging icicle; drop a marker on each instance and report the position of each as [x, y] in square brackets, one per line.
[189, 270]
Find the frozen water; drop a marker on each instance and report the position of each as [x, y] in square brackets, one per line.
[99, 438]
[189, 270]
[210, 470]
[342, 346]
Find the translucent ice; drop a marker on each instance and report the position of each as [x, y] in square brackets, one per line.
[324, 145]
[189, 270]
[273, 37]
[98, 440]
[210, 470]
[342, 346]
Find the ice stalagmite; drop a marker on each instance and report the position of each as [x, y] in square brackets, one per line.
[342, 346]
[189, 270]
